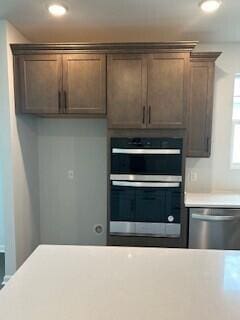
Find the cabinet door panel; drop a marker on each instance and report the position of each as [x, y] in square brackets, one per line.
[84, 82]
[40, 84]
[126, 91]
[200, 109]
[167, 89]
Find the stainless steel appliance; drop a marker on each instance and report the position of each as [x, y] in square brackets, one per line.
[146, 181]
[214, 228]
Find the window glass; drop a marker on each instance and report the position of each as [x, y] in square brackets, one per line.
[237, 86]
[236, 110]
[236, 123]
[236, 99]
[236, 144]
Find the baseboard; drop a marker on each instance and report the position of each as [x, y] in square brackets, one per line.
[2, 248]
[6, 279]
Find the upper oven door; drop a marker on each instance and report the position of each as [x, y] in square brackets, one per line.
[152, 156]
[146, 161]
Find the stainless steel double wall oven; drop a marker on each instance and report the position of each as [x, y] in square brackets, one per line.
[145, 187]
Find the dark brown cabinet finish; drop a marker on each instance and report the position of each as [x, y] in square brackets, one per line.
[167, 90]
[39, 84]
[84, 83]
[61, 84]
[201, 104]
[147, 90]
[127, 91]
[145, 83]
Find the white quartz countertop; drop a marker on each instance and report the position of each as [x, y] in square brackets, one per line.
[212, 200]
[113, 283]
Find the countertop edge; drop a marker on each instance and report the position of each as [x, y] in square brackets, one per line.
[212, 200]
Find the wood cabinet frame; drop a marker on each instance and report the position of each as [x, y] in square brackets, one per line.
[84, 48]
[201, 106]
[98, 91]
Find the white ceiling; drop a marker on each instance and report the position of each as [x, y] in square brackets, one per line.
[124, 20]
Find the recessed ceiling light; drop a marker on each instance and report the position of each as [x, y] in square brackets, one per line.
[210, 5]
[57, 10]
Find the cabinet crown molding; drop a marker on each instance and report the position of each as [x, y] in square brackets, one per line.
[25, 48]
[204, 56]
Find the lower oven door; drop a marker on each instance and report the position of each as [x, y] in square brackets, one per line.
[145, 208]
[122, 210]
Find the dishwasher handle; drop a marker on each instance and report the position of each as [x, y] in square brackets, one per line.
[216, 218]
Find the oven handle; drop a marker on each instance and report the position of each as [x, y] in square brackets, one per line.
[145, 177]
[146, 151]
[146, 184]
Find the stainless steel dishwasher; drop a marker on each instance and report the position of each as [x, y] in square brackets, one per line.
[214, 228]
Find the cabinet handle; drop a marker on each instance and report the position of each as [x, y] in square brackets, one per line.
[65, 101]
[149, 114]
[143, 120]
[59, 100]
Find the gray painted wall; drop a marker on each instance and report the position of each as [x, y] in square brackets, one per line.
[7, 207]
[19, 164]
[2, 236]
[24, 144]
[4, 148]
[70, 208]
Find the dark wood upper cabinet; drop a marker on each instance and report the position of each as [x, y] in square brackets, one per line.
[200, 109]
[84, 83]
[60, 83]
[38, 84]
[147, 90]
[145, 83]
[127, 91]
[167, 89]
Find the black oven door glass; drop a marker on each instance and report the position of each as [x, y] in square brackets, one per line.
[144, 204]
[173, 205]
[150, 205]
[122, 204]
[146, 164]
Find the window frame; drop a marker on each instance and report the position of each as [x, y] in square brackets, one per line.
[235, 122]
